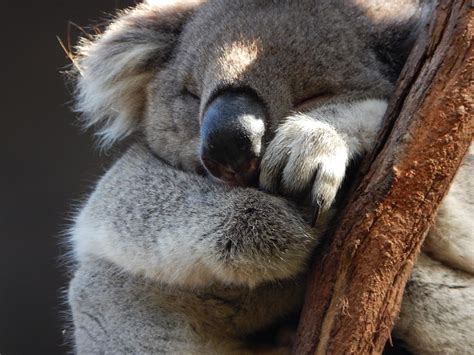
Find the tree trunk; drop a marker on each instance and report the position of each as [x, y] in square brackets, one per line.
[355, 289]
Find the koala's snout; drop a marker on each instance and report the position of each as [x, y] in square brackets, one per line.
[232, 130]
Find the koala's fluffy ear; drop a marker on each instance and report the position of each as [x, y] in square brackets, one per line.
[115, 67]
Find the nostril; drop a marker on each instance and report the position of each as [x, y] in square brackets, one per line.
[217, 169]
[200, 170]
[212, 166]
[252, 166]
[249, 169]
[249, 172]
[243, 174]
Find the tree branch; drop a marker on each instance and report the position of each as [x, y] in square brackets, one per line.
[355, 290]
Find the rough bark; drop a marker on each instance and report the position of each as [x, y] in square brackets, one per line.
[355, 289]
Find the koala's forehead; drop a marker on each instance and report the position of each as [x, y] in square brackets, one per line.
[284, 31]
[293, 40]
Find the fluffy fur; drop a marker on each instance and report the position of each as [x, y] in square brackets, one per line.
[172, 262]
[313, 149]
[223, 262]
[195, 233]
[111, 93]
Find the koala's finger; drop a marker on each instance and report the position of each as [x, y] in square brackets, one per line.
[316, 214]
[326, 184]
[300, 170]
[273, 162]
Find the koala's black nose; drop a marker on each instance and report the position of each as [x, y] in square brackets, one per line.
[232, 131]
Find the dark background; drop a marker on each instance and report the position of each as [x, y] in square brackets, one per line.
[46, 167]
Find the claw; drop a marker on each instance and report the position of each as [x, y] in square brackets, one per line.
[316, 214]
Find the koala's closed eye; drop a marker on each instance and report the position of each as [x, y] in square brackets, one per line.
[190, 93]
[310, 101]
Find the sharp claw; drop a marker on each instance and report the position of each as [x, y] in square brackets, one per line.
[278, 183]
[316, 214]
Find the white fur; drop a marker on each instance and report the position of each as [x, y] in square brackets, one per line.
[163, 260]
[112, 95]
[357, 122]
[166, 260]
[114, 68]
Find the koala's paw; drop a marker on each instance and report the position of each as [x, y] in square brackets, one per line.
[306, 158]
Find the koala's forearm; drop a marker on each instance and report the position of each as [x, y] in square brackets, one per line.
[357, 122]
[176, 227]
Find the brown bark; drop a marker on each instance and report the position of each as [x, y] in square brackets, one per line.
[355, 289]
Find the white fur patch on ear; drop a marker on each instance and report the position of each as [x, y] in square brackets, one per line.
[115, 67]
[111, 91]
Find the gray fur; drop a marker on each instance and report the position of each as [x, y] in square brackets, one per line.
[169, 261]
[119, 309]
[437, 315]
[231, 243]
[117, 313]
[231, 235]
[288, 52]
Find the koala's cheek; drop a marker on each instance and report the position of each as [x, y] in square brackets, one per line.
[185, 156]
[171, 129]
[178, 148]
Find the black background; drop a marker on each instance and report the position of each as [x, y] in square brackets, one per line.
[46, 167]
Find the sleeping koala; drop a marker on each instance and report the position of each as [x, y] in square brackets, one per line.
[245, 115]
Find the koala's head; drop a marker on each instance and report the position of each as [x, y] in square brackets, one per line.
[207, 82]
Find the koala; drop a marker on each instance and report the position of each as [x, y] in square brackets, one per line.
[245, 118]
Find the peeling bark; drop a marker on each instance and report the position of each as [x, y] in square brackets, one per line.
[355, 289]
